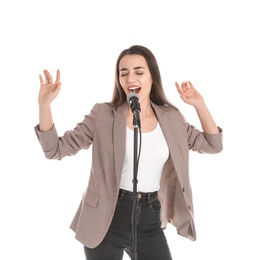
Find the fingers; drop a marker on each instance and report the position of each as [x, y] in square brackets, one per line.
[184, 86]
[41, 80]
[178, 88]
[58, 77]
[48, 77]
[191, 85]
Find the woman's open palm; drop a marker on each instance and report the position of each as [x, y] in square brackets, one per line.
[48, 89]
[189, 94]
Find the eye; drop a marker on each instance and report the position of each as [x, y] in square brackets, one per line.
[123, 75]
[140, 73]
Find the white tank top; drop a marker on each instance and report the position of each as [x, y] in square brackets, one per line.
[154, 154]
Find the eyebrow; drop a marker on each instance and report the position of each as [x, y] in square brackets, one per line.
[135, 68]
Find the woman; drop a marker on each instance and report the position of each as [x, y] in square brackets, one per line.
[103, 220]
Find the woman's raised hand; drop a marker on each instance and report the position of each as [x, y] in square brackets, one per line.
[189, 94]
[48, 89]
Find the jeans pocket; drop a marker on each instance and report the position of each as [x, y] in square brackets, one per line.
[155, 205]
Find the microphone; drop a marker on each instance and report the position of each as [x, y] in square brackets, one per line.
[133, 100]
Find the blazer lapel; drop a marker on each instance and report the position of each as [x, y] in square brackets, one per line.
[167, 123]
[119, 138]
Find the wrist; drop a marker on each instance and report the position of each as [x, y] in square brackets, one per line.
[44, 105]
[200, 105]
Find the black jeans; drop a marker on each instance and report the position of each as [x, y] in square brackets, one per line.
[151, 241]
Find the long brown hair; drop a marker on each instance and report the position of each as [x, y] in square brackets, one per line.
[157, 94]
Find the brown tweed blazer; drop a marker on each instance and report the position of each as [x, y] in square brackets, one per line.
[105, 129]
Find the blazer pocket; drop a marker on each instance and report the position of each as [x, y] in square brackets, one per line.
[91, 199]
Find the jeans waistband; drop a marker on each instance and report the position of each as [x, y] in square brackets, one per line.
[141, 196]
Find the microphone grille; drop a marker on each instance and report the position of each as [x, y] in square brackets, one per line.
[131, 95]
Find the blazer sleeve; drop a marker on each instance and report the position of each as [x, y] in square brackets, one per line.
[203, 142]
[81, 137]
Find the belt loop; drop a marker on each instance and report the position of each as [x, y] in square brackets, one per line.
[121, 194]
[148, 199]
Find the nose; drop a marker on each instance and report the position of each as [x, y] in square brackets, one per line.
[130, 78]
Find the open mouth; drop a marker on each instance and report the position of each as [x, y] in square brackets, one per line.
[134, 89]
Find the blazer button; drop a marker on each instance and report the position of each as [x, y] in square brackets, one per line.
[189, 207]
[183, 189]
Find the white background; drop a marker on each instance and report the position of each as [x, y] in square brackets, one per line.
[211, 43]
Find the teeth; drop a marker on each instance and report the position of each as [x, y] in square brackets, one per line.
[135, 90]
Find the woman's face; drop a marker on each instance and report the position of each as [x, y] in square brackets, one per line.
[134, 76]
